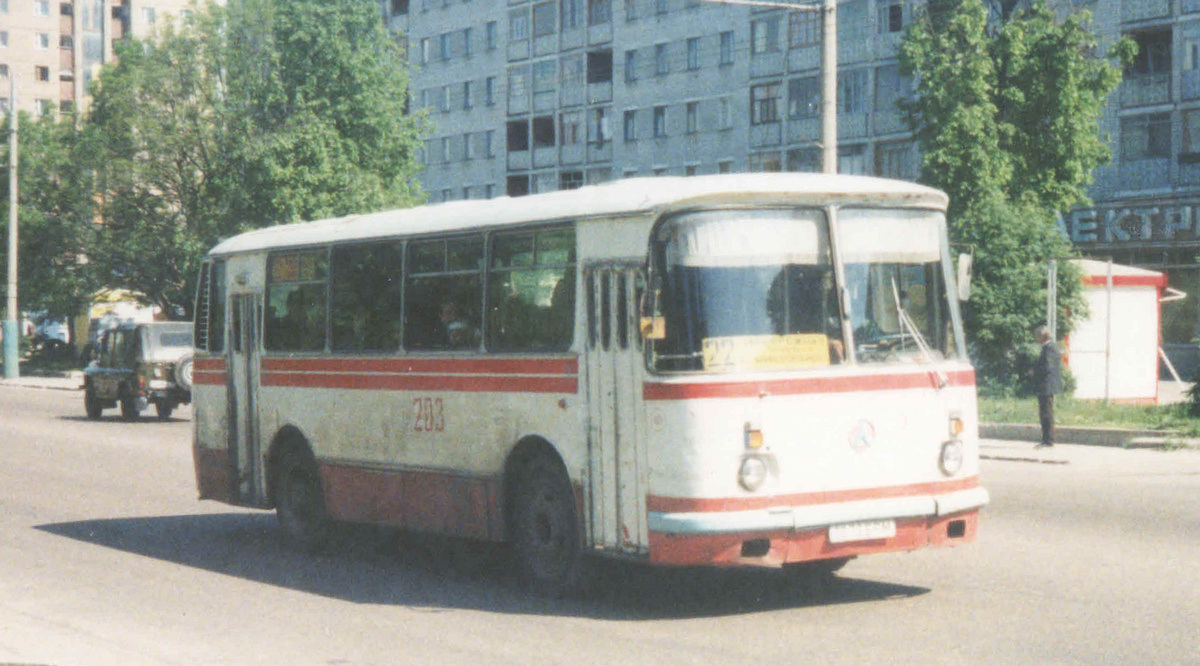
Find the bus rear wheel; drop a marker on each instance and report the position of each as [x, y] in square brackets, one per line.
[545, 534]
[300, 502]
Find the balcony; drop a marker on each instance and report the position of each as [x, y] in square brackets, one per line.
[1146, 89]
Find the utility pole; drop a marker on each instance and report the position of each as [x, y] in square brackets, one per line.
[828, 9]
[12, 325]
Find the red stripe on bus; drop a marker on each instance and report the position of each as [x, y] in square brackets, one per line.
[442, 366]
[373, 382]
[661, 504]
[213, 364]
[209, 378]
[753, 389]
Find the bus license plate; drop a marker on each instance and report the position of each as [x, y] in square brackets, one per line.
[865, 530]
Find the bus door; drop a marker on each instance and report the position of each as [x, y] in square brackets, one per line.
[616, 416]
[243, 362]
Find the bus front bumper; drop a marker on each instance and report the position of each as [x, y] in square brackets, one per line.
[787, 534]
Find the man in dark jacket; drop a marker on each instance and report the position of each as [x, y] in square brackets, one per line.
[1047, 381]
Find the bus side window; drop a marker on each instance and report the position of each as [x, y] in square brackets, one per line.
[443, 294]
[531, 291]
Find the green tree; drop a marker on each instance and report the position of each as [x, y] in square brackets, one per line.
[261, 112]
[54, 218]
[1006, 114]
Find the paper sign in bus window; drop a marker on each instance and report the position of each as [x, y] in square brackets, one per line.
[765, 352]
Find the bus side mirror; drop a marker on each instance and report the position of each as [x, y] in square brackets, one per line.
[653, 325]
[964, 276]
[654, 328]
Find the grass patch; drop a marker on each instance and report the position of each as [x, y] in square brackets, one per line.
[1094, 414]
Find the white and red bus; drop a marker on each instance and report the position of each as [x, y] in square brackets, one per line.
[756, 369]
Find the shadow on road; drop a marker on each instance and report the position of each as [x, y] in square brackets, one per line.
[376, 566]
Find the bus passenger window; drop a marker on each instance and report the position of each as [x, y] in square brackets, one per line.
[294, 319]
[365, 311]
[443, 294]
[531, 291]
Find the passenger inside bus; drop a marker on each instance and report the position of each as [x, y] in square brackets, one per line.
[459, 334]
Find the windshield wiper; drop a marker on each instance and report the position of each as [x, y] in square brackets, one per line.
[912, 329]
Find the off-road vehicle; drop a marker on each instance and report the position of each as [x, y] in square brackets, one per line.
[137, 364]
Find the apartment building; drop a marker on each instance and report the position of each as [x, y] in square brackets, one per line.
[534, 95]
[529, 96]
[54, 48]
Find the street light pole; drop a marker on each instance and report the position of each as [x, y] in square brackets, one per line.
[829, 153]
[829, 67]
[12, 327]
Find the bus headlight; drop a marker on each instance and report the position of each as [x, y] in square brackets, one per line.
[951, 460]
[752, 473]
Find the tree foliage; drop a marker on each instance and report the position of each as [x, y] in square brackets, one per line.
[1006, 114]
[54, 217]
[261, 112]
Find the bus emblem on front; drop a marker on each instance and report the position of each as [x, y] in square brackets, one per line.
[862, 436]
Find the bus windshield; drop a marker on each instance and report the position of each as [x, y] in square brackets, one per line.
[899, 310]
[755, 290]
[747, 290]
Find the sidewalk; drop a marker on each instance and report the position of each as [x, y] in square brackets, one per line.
[73, 381]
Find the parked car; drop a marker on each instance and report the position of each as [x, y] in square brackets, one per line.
[137, 364]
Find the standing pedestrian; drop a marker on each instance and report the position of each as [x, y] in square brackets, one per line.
[1047, 381]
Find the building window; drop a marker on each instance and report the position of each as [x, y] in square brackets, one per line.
[891, 17]
[1145, 137]
[692, 117]
[424, 50]
[468, 47]
[543, 132]
[570, 128]
[518, 136]
[41, 73]
[490, 35]
[1189, 151]
[41, 41]
[66, 42]
[804, 97]
[804, 159]
[693, 53]
[489, 91]
[889, 88]
[518, 25]
[630, 10]
[1154, 53]
[489, 149]
[570, 180]
[466, 95]
[630, 66]
[661, 64]
[852, 160]
[545, 73]
[660, 121]
[468, 149]
[852, 91]
[764, 35]
[724, 113]
[725, 166]
[444, 46]
[895, 160]
[599, 66]
[544, 19]
[569, 14]
[149, 15]
[661, 7]
[768, 162]
[518, 84]
[804, 28]
[571, 67]
[725, 54]
[399, 7]
[599, 12]
[41, 8]
[517, 186]
[764, 104]
[599, 132]
[630, 125]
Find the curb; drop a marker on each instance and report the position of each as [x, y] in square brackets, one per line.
[1126, 438]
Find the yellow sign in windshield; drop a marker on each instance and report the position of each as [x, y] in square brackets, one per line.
[765, 352]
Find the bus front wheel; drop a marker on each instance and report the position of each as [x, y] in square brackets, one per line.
[300, 502]
[545, 529]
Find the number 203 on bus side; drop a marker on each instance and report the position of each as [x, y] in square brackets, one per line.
[755, 369]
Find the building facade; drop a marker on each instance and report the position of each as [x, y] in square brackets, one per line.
[54, 48]
[529, 96]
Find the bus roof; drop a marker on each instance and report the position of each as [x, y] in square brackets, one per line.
[621, 197]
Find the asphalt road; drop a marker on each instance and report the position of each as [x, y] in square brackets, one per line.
[106, 557]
